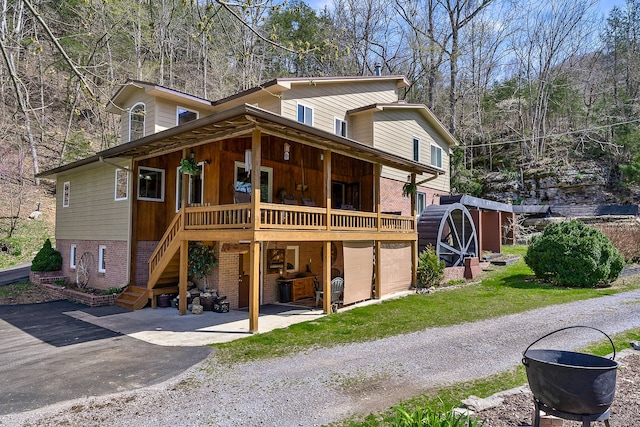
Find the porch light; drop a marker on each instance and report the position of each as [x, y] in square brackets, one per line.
[287, 150]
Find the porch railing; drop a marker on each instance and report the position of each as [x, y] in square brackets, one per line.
[291, 217]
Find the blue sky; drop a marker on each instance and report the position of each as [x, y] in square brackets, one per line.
[604, 5]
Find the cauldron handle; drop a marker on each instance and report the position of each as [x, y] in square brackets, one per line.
[570, 327]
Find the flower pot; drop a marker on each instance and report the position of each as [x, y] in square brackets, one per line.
[164, 301]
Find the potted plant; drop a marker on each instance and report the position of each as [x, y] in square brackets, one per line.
[201, 260]
[189, 166]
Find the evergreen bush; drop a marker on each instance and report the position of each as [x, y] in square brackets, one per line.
[573, 254]
[47, 259]
[430, 268]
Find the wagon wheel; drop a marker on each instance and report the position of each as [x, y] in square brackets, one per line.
[450, 230]
[83, 269]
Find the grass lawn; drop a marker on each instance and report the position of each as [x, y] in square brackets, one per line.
[506, 290]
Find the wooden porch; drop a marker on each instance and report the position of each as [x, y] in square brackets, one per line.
[236, 222]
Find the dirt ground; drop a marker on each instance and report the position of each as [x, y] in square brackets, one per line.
[21, 294]
[517, 410]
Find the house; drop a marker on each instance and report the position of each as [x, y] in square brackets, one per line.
[299, 178]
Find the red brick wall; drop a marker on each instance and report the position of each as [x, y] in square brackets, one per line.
[392, 200]
[144, 251]
[115, 260]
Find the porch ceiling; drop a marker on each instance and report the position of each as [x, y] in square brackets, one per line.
[241, 121]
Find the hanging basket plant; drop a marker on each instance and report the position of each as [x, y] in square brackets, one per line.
[408, 189]
[189, 166]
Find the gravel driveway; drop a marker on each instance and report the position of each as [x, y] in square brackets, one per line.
[318, 387]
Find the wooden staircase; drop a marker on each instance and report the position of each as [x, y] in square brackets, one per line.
[164, 270]
[133, 298]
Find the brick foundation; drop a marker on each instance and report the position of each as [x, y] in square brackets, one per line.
[116, 261]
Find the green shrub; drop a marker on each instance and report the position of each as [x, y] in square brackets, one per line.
[430, 268]
[573, 254]
[47, 259]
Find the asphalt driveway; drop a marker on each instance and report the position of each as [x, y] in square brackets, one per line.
[47, 356]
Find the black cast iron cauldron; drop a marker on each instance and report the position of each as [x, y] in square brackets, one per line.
[575, 383]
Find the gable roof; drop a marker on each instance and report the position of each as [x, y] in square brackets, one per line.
[241, 121]
[279, 85]
[131, 85]
[420, 108]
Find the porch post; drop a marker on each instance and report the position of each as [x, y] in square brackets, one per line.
[326, 188]
[378, 243]
[184, 267]
[254, 248]
[414, 242]
[254, 285]
[326, 283]
[184, 199]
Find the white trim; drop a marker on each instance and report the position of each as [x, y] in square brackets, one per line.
[151, 199]
[73, 254]
[66, 194]
[144, 118]
[296, 263]
[178, 108]
[431, 160]
[413, 149]
[343, 125]
[304, 113]
[126, 194]
[266, 169]
[419, 195]
[179, 186]
[102, 249]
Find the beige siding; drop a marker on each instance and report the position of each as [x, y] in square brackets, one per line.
[150, 106]
[394, 131]
[165, 115]
[333, 100]
[360, 128]
[93, 213]
[268, 102]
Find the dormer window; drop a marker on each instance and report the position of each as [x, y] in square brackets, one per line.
[185, 115]
[136, 121]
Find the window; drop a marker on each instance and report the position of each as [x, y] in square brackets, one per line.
[305, 114]
[185, 115]
[102, 265]
[122, 184]
[72, 257]
[242, 187]
[416, 149]
[291, 259]
[66, 194]
[421, 202]
[341, 127]
[196, 187]
[136, 121]
[436, 156]
[151, 184]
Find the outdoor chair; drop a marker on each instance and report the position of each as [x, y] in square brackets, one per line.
[308, 201]
[289, 200]
[337, 287]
